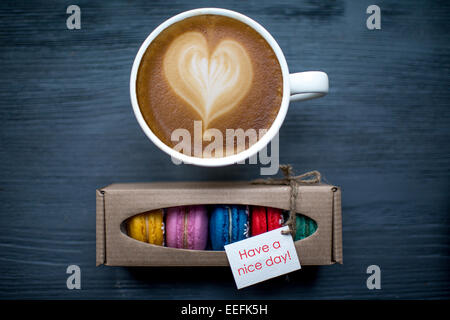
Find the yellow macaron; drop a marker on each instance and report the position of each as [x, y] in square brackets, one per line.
[147, 227]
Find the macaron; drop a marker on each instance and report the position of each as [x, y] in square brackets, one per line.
[305, 227]
[187, 227]
[228, 224]
[147, 227]
[264, 219]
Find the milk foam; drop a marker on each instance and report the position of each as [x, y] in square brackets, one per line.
[212, 82]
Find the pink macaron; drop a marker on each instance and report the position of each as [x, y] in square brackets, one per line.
[187, 227]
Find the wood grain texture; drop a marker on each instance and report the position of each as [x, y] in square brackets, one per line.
[382, 134]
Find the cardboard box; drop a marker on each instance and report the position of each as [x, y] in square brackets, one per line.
[118, 202]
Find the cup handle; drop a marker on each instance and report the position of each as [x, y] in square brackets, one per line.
[308, 85]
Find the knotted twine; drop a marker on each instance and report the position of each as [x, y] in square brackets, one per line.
[311, 177]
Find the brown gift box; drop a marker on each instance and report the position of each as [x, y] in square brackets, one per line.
[118, 202]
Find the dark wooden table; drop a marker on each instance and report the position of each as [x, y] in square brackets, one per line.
[382, 134]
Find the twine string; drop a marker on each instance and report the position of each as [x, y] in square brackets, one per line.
[311, 177]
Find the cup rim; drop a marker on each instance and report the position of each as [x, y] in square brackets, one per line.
[227, 160]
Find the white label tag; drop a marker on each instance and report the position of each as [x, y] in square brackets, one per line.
[262, 257]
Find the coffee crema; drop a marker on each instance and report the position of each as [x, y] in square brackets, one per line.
[213, 69]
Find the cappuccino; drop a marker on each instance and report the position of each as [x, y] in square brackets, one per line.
[213, 69]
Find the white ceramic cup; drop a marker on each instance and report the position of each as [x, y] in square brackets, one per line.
[296, 87]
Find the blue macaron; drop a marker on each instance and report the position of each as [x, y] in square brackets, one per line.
[228, 224]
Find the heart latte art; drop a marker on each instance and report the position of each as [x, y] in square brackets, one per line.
[213, 81]
[207, 77]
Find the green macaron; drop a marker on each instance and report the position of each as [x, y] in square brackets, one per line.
[305, 227]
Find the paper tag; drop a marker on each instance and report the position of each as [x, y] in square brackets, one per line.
[262, 257]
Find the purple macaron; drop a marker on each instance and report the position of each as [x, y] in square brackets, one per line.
[187, 227]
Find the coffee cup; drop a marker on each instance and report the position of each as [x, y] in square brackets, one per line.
[296, 87]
